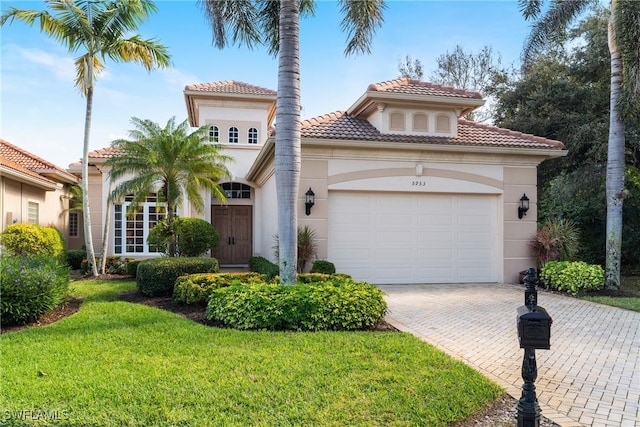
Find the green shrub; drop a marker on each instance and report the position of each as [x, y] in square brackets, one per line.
[30, 287]
[572, 277]
[303, 307]
[194, 237]
[32, 239]
[132, 267]
[196, 288]
[322, 266]
[157, 276]
[75, 258]
[262, 265]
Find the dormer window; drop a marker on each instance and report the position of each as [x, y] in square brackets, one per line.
[396, 121]
[252, 136]
[214, 134]
[233, 135]
[420, 122]
[443, 124]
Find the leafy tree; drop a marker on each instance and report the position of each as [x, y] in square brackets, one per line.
[173, 158]
[276, 24]
[102, 29]
[479, 72]
[624, 53]
[410, 68]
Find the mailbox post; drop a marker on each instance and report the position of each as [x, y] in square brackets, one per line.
[534, 332]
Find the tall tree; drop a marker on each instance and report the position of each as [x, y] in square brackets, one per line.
[276, 24]
[624, 51]
[172, 161]
[102, 29]
[480, 72]
[410, 68]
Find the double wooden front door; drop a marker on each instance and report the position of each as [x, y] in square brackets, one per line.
[234, 223]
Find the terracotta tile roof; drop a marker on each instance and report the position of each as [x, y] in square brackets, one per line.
[416, 87]
[231, 87]
[105, 153]
[23, 161]
[340, 125]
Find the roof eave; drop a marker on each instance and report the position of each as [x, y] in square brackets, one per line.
[23, 177]
[369, 98]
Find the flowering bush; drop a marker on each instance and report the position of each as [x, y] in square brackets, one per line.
[30, 287]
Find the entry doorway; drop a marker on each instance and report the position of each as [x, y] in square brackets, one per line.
[234, 224]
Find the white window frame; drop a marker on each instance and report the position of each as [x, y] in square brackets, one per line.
[252, 136]
[214, 133]
[33, 217]
[234, 135]
[121, 221]
[74, 224]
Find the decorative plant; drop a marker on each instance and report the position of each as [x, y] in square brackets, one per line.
[307, 247]
[555, 240]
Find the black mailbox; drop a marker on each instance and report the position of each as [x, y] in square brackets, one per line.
[534, 328]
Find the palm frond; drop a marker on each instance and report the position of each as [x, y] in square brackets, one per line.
[530, 9]
[361, 20]
[551, 25]
[236, 16]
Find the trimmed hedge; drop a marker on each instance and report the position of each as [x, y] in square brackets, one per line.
[572, 277]
[196, 288]
[132, 267]
[323, 266]
[30, 287]
[302, 307]
[194, 236]
[33, 240]
[157, 276]
[262, 265]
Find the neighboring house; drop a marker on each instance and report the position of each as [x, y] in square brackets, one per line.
[32, 190]
[405, 190]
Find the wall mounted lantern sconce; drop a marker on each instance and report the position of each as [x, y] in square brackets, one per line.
[419, 169]
[524, 206]
[309, 200]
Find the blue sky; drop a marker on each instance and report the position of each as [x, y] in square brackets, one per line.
[42, 111]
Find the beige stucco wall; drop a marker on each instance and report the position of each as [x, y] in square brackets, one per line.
[15, 197]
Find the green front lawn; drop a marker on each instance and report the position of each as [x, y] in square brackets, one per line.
[118, 363]
[630, 285]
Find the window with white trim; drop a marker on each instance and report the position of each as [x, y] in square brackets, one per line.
[33, 214]
[214, 134]
[132, 225]
[236, 190]
[73, 224]
[252, 136]
[233, 135]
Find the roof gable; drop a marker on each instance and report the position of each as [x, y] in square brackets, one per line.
[231, 87]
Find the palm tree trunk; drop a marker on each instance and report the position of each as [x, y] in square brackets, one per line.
[88, 238]
[287, 150]
[105, 236]
[615, 166]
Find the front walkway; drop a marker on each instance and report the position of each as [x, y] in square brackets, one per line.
[591, 375]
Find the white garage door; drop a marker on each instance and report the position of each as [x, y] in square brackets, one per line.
[414, 238]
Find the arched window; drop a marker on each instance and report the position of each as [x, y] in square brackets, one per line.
[236, 190]
[396, 121]
[233, 135]
[252, 136]
[214, 133]
[443, 124]
[420, 122]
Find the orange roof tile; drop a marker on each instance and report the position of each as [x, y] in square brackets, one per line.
[340, 125]
[23, 161]
[231, 87]
[417, 87]
[105, 153]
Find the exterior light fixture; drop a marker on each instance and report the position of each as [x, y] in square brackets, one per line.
[524, 206]
[309, 200]
[419, 169]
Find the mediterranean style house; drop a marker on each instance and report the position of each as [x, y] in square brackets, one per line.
[399, 187]
[32, 190]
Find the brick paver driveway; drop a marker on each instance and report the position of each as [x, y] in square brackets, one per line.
[591, 375]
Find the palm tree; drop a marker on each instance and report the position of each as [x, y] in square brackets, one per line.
[624, 49]
[172, 161]
[102, 30]
[276, 24]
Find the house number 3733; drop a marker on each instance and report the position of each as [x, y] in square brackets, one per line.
[418, 183]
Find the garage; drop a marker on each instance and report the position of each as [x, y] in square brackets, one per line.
[383, 237]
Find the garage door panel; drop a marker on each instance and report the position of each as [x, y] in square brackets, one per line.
[414, 237]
